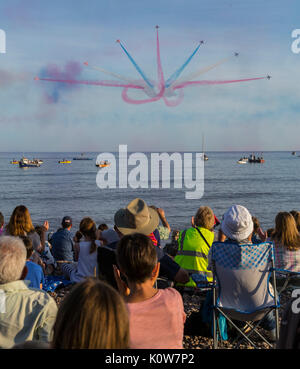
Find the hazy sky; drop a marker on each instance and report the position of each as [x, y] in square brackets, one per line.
[42, 36]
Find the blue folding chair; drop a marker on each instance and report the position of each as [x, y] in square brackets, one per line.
[241, 287]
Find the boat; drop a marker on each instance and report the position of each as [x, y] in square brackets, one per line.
[103, 164]
[14, 162]
[64, 161]
[82, 157]
[38, 161]
[243, 161]
[253, 159]
[294, 153]
[205, 157]
[26, 163]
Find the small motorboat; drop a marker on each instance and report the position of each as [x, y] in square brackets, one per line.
[82, 157]
[38, 161]
[242, 161]
[103, 164]
[64, 161]
[14, 162]
[254, 159]
[26, 163]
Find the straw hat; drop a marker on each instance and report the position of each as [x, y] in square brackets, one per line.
[137, 217]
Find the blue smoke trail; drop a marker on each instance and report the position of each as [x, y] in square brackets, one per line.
[136, 66]
[176, 74]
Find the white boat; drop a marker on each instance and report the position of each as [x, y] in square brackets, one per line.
[26, 163]
[243, 160]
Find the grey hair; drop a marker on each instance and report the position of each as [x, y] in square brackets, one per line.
[12, 258]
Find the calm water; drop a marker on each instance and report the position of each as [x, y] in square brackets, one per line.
[55, 190]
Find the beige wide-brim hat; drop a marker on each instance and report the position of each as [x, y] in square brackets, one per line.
[137, 217]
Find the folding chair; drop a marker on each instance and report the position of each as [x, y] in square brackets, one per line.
[241, 287]
[286, 279]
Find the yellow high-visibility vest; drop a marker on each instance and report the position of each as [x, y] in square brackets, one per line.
[192, 254]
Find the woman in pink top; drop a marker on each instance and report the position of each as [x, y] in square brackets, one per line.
[156, 317]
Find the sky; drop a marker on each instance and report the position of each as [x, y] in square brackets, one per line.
[55, 38]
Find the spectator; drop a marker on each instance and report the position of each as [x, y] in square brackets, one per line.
[106, 256]
[286, 242]
[194, 244]
[162, 232]
[62, 243]
[237, 226]
[99, 321]
[150, 310]
[137, 217]
[29, 314]
[258, 236]
[20, 224]
[110, 238]
[296, 215]
[86, 244]
[103, 227]
[35, 274]
[46, 256]
[1, 223]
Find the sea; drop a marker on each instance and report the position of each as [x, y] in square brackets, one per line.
[54, 190]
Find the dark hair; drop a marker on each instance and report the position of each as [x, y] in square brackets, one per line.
[28, 245]
[39, 230]
[92, 316]
[136, 257]
[103, 227]
[256, 224]
[270, 232]
[1, 220]
[87, 228]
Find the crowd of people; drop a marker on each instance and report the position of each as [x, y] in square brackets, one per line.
[126, 285]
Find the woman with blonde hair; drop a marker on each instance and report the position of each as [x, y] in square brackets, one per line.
[92, 316]
[286, 240]
[20, 225]
[86, 244]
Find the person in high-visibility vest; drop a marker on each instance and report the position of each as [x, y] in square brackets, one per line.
[194, 244]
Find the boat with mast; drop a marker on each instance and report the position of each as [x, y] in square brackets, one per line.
[205, 157]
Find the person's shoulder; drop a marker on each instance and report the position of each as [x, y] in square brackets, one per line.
[41, 298]
[170, 293]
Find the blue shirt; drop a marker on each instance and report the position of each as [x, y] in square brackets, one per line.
[35, 275]
[62, 245]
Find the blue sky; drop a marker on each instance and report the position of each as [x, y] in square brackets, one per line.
[260, 115]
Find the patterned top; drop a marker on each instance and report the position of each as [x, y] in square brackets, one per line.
[286, 259]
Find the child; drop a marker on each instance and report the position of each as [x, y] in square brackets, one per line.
[156, 317]
[46, 255]
[35, 272]
[86, 244]
[92, 316]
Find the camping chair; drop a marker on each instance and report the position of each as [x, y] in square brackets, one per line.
[241, 288]
[286, 280]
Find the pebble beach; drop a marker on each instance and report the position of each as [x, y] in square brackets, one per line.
[193, 339]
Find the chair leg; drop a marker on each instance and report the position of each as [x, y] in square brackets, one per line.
[215, 329]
